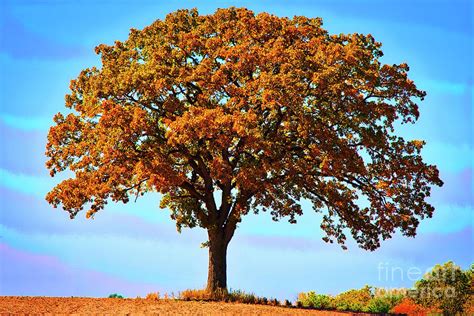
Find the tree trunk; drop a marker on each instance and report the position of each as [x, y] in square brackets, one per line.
[217, 273]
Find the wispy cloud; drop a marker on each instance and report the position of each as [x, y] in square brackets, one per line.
[136, 220]
[146, 207]
[27, 184]
[134, 259]
[30, 123]
[457, 190]
[25, 273]
[22, 151]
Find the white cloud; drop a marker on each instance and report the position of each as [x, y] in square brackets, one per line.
[32, 185]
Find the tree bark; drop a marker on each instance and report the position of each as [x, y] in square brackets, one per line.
[217, 273]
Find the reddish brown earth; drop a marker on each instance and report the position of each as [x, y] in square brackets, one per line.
[15, 305]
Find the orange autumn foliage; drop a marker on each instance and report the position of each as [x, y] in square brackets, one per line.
[410, 308]
[265, 110]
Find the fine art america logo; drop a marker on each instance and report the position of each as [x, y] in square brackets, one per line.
[388, 273]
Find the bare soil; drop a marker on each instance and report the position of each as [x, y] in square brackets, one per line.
[18, 305]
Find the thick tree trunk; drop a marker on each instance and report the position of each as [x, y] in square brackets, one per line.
[217, 273]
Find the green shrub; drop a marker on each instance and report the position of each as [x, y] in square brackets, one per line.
[353, 300]
[304, 299]
[321, 301]
[115, 295]
[362, 300]
[446, 287]
[378, 305]
[383, 304]
[313, 300]
[469, 305]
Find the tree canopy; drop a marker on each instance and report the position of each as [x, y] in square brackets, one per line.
[234, 112]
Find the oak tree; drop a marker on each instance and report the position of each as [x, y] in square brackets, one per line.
[233, 112]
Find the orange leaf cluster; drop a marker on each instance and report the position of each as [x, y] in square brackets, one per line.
[265, 110]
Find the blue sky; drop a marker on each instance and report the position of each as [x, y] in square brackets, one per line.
[134, 249]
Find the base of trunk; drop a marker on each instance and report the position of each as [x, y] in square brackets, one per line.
[217, 273]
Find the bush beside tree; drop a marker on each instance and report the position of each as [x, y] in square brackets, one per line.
[446, 287]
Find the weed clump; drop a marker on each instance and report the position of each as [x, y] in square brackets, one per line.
[155, 296]
[233, 296]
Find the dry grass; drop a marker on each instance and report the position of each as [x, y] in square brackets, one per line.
[14, 305]
[232, 296]
[201, 295]
[153, 296]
